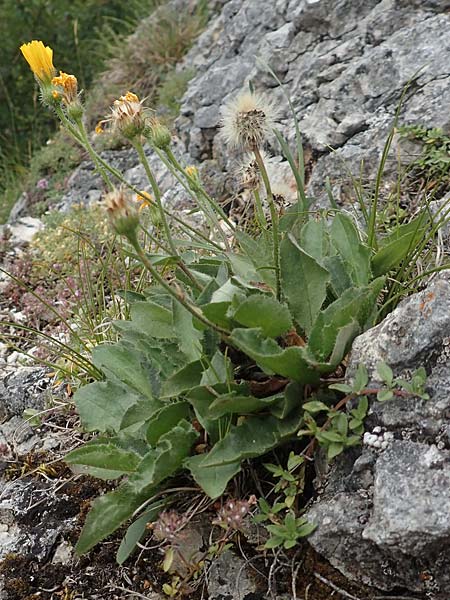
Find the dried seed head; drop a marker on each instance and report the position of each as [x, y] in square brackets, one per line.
[122, 214]
[127, 115]
[169, 525]
[250, 176]
[66, 87]
[247, 121]
[232, 513]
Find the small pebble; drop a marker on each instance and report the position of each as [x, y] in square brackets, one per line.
[377, 429]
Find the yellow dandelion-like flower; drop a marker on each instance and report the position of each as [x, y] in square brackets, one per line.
[40, 59]
[247, 121]
[145, 200]
[68, 85]
[192, 171]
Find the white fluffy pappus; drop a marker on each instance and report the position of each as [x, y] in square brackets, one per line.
[247, 120]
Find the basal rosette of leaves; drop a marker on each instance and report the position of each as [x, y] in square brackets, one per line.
[171, 382]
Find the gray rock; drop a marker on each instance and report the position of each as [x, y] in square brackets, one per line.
[25, 388]
[228, 579]
[383, 515]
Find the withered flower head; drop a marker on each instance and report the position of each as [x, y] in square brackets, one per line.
[67, 87]
[127, 115]
[169, 525]
[247, 121]
[122, 213]
[250, 176]
[232, 513]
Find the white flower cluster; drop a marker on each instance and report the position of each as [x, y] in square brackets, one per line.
[378, 439]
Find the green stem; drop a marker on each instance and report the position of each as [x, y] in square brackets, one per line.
[274, 217]
[156, 192]
[195, 190]
[196, 312]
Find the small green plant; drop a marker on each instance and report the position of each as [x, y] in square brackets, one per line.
[433, 162]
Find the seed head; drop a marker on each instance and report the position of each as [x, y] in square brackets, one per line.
[169, 525]
[247, 121]
[232, 513]
[123, 215]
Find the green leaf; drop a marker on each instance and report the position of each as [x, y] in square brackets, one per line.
[139, 412]
[361, 378]
[165, 419]
[341, 387]
[398, 244]
[136, 530]
[314, 239]
[304, 283]
[260, 253]
[189, 338]
[354, 311]
[315, 406]
[152, 319]
[103, 404]
[384, 395]
[334, 449]
[213, 480]
[114, 508]
[288, 362]
[104, 454]
[254, 437]
[128, 365]
[385, 372]
[339, 278]
[347, 242]
[235, 403]
[220, 370]
[266, 312]
[183, 380]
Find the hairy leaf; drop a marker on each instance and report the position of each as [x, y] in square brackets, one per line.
[266, 312]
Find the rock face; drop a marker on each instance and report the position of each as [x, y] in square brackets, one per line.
[383, 516]
[344, 64]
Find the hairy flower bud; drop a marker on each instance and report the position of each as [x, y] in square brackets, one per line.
[158, 134]
[123, 215]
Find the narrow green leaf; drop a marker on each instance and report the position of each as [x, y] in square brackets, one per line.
[136, 530]
[315, 406]
[104, 455]
[334, 449]
[385, 372]
[189, 338]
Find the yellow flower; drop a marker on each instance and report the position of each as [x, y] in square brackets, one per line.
[192, 171]
[40, 59]
[68, 85]
[145, 199]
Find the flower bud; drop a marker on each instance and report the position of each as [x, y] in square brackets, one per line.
[122, 214]
[158, 134]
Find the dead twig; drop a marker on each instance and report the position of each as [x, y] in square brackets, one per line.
[334, 587]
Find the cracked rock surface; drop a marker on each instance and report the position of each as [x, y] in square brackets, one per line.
[383, 515]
